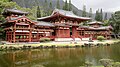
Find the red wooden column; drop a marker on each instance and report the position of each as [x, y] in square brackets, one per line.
[30, 33]
[11, 36]
[6, 36]
[57, 31]
[14, 33]
[37, 36]
[74, 32]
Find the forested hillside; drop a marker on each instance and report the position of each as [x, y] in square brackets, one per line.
[44, 5]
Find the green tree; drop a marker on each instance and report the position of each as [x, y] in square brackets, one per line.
[38, 12]
[105, 17]
[46, 3]
[50, 8]
[50, 5]
[97, 16]
[90, 13]
[70, 5]
[84, 11]
[115, 22]
[65, 7]
[101, 15]
[4, 4]
[58, 4]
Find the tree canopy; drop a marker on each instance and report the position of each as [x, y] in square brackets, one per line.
[115, 22]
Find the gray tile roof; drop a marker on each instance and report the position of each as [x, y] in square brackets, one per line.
[42, 23]
[65, 13]
[99, 28]
[95, 22]
[15, 18]
[69, 14]
[15, 11]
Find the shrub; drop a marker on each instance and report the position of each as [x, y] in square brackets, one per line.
[100, 38]
[45, 39]
[88, 64]
[106, 62]
[116, 64]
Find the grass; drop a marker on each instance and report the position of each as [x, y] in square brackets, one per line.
[59, 44]
[93, 66]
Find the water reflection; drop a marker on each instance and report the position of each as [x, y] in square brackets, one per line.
[58, 57]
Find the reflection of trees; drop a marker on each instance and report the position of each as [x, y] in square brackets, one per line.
[95, 53]
[27, 56]
[115, 52]
[58, 56]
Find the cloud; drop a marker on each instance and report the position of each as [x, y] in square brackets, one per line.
[106, 5]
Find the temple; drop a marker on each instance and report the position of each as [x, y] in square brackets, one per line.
[95, 29]
[66, 24]
[21, 29]
[61, 25]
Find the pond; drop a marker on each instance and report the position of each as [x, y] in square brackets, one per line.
[58, 57]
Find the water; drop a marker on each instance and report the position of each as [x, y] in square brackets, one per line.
[58, 57]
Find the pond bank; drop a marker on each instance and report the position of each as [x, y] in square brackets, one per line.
[54, 44]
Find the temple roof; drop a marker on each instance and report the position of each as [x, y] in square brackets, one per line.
[69, 14]
[14, 11]
[15, 18]
[64, 13]
[42, 23]
[99, 28]
[95, 22]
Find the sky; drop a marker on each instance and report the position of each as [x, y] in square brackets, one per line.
[106, 5]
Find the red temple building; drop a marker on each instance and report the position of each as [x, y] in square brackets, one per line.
[66, 24]
[95, 29]
[61, 25]
[21, 29]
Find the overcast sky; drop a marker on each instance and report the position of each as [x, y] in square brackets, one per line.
[106, 5]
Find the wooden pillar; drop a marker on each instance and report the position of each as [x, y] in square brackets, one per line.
[6, 36]
[11, 37]
[37, 36]
[74, 32]
[58, 35]
[14, 33]
[30, 34]
[84, 32]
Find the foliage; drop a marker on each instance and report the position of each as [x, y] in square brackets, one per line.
[44, 39]
[47, 39]
[50, 5]
[106, 23]
[97, 16]
[3, 5]
[70, 5]
[106, 62]
[101, 15]
[58, 4]
[90, 12]
[38, 12]
[65, 7]
[116, 64]
[100, 38]
[88, 64]
[32, 12]
[84, 11]
[105, 17]
[115, 22]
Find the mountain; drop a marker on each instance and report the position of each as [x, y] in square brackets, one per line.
[30, 3]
